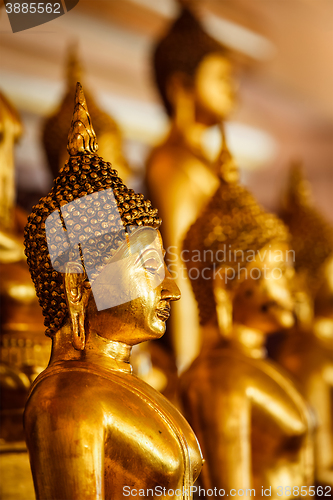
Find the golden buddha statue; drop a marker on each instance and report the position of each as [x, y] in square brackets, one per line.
[307, 352]
[56, 127]
[24, 351]
[253, 425]
[150, 362]
[93, 429]
[194, 76]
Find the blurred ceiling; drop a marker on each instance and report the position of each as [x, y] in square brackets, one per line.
[115, 37]
[286, 91]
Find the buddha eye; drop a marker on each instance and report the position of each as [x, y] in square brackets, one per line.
[151, 264]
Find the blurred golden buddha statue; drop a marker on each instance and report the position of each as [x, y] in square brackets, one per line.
[56, 127]
[11, 249]
[93, 429]
[253, 425]
[308, 351]
[24, 351]
[194, 75]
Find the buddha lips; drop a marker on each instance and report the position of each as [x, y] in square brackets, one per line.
[163, 310]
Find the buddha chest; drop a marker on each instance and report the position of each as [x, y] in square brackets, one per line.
[114, 428]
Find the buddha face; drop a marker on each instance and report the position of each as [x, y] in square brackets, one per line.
[214, 89]
[139, 281]
[263, 300]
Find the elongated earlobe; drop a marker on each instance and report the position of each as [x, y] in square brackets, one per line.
[182, 100]
[77, 295]
[223, 310]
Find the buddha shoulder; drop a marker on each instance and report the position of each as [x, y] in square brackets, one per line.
[172, 156]
[239, 372]
[105, 402]
[107, 392]
[76, 381]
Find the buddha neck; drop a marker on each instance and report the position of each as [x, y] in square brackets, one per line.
[191, 136]
[249, 340]
[108, 354]
[210, 336]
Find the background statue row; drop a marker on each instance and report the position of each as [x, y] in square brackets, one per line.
[227, 391]
[238, 309]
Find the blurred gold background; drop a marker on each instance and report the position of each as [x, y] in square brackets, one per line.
[285, 108]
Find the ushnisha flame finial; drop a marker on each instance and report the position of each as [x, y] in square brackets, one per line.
[312, 234]
[73, 66]
[298, 190]
[188, 4]
[81, 138]
[227, 168]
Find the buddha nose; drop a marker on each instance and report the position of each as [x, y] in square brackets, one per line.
[170, 290]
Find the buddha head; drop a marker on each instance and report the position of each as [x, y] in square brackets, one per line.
[193, 72]
[312, 240]
[94, 250]
[238, 260]
[55, 130]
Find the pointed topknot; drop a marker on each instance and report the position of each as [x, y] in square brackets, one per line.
[81, 138]
[188, 4]
[298, 190]
[312, 234]
[227, 168]
[73, 66]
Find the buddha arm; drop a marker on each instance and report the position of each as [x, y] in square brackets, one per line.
[319, 393]
[66, 446]
[280, 409]
[222, 426]
[287, 409]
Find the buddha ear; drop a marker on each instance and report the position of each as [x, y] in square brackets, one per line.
[223, 300]
[77, 294]
[180, 94]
